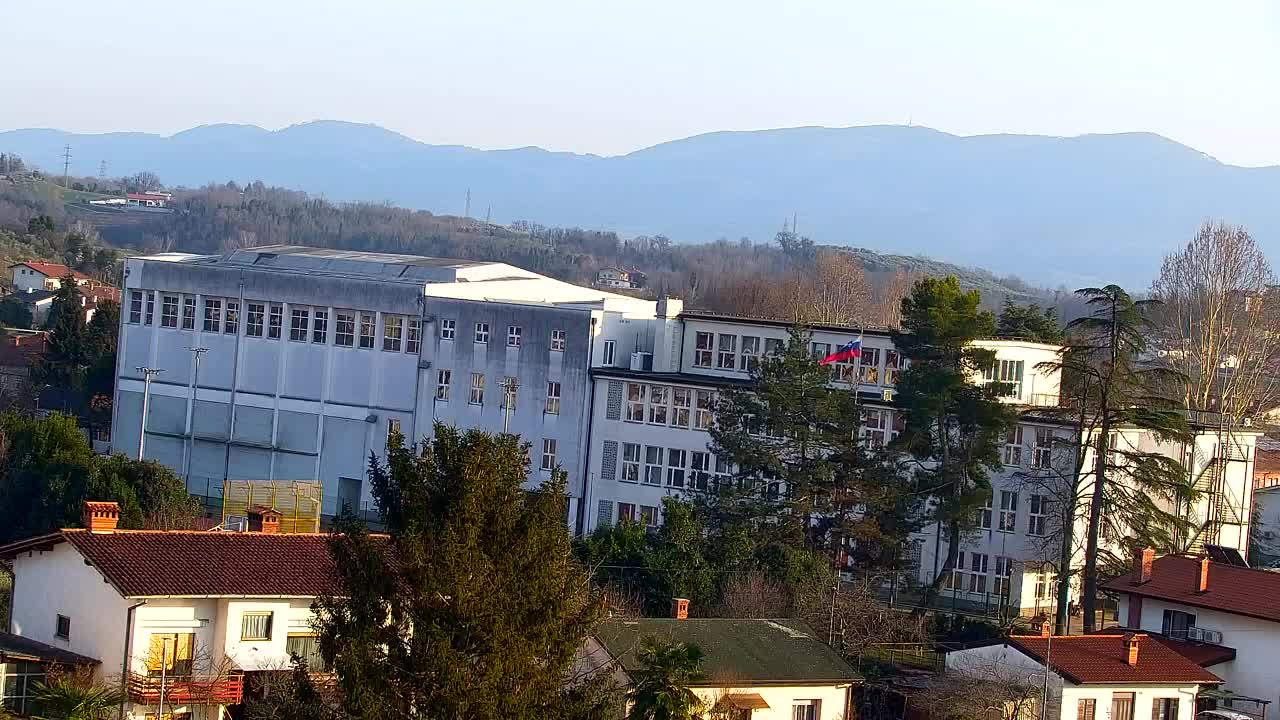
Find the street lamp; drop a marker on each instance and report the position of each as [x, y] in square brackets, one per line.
[197, 353]
[146, 398]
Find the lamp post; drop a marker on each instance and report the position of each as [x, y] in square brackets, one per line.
[197, 353]
[146, 398]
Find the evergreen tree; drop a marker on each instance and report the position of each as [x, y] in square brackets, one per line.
[471, 607]
[1029, 321]
[661, 687]
[66, 357]
[13, 314]
[952, 425]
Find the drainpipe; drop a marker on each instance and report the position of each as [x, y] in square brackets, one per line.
[589, 411]
[124, 662]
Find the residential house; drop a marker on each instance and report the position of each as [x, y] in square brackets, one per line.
[148, 199]
[24, 663]
[1226, 609]
[33, 276]
[18, 350]
[1113, 676]
[190, 614]
[613, 277]
[753, 669]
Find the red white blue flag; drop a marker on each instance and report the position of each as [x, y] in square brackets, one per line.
[844, 353]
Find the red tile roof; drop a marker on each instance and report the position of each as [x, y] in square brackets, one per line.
[1202, 654]
[1085, 659]
[155, 563]
[1238, 590]
[53, 270]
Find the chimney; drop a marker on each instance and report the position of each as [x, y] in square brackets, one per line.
[680, 608]
[264, 520]
[1131, 645]
[1142, 565]
[1046, 628]
[1202, 577]
[100, 516]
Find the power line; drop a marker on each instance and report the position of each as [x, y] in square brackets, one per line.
[66, 163]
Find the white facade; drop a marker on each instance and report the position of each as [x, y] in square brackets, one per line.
[786, 702]
[314, 356]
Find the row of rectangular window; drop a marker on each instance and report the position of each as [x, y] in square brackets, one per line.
[972, 577]
[1041, 452]
[509, 385]
[673, 467]
[741, 353]
[667, 405]
[1122, 707]
[1038, 512]
[515, 334]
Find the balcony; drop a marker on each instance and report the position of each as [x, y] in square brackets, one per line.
[186, 689]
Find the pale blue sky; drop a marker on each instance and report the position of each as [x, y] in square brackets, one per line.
[607, 76]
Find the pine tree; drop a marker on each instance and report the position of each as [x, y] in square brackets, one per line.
[952, 425]
[1029, 321]
[65, 359]
[471, 607]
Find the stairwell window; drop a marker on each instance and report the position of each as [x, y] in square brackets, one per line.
[232, 325]
[513, 335]
[413, 337]
[367, 330]
[549, 453]
[557, 341]
[212, 314]
[189, 313]
[320, 327]
[443, 378]
[728, 349]
[255, 626]
[254, 324]
[1038, 509]
[553, 398]
[630, 462]
[276, 322]
[477, 389]
[1013, 446]
[135, 307]
[299, 323]
[1008, 510]
[702, 347]
[482, 333]
[344, 334]
[448, 329]
[392, 332]
[169, 311]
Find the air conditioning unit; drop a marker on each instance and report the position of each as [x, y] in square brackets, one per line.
[641, 361]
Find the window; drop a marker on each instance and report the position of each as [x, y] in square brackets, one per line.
[681, 399]
[1038, 508]
[299, 323]
[1013, 446]
[699, 470]
[626, 513]
[392, 332]
[819, 350]
[320, 328]
[635, 402]
[509, 386]
[557, 341]
[704, 410]
[724, 470]
[893, 366]
[702, 344]
[728, 347]
[750, 353]
[255, 626]
[1004, 573]
[232, 325]
[482, 333]
[630, 462]
[367, 330]
[978, 572]
[212, 314]
[344, 335]
[548, 454]
[477, 389]
[393, 428]
[448, 329]
[1164, 709]
[653, 465]
[62, 627]
[804, 710]
[170, 653]
[151, 308]
[135, 307]
[1008, 510]
[513, 335]
[869, 366]
[443, 379]
[955, 579]
[1086, 708]
[169, 311]
[413, 338]
[658, 404]
[984, 517]
[308, 649]
[253, 325]
[873, 424]
[648, 516]
[1008, 372]
[188, 313]
[1044, 583]
[276, 322]
[1176, 623]
[1121, 706]
[675, 467]
[610, 350]
[774, 346]
[1042, 455]
[553, 398]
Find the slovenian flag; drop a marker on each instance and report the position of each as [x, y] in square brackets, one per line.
[848, 351]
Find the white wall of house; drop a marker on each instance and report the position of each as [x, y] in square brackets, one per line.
[832, 700]
[1143, 697]
[26, 279]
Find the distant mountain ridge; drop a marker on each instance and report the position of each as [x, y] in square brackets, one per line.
[1087, 209]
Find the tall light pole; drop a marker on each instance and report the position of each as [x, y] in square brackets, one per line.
[196, 353]
[146, 399]
[509, 387]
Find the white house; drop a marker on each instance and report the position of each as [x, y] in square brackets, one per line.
[189, 614]
[1226, 614]
[756, 669]
[33, 276]
[1113, 676]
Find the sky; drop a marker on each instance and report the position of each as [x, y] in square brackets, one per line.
[612, 76]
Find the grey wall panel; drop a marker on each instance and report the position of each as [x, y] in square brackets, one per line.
[208, 467]
[124, 434]
[349, 381]
[259, 365]
[297, 431]
[252, 425]
[249, 464]
[211, 419]
[166, 414]
[164, 450]
[290, 466]
[304, 373]
[342, 452]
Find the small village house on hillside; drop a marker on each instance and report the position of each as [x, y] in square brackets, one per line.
[753, 669]
[1227, 615]
[1113, 676]
[33, 276]
[196, 613]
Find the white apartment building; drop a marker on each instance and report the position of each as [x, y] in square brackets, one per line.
[293, 363]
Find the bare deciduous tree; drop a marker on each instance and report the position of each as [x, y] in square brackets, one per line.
[985, 689]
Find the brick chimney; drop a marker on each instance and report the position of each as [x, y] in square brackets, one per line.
[264, 520]
[1202, 577]
[100, 516]
[1142, 565]
[680, 608]
[1131, 645]
[1046, 628]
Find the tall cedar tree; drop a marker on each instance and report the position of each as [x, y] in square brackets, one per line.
[1114, 390]
[953, 426]
[803, 480]
[1029, 321]
[472, 608]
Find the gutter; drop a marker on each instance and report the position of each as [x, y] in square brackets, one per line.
[128, 646]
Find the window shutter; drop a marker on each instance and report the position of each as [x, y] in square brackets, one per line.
[613, 410]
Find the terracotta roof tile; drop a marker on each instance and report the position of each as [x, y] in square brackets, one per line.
[1202, 654]
[1085, 659]
[1239, 590]
[53, 270]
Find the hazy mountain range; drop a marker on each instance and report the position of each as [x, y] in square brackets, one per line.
[1094, 208]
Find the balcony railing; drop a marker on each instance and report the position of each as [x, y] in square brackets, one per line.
[187, 689]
